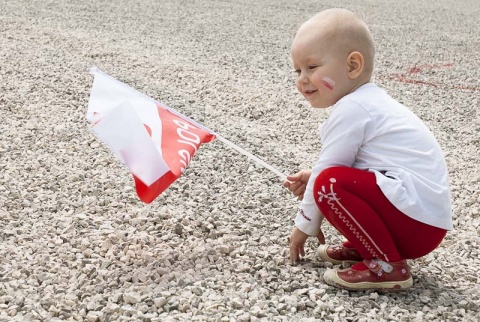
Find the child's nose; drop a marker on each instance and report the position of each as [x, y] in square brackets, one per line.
[303, 79]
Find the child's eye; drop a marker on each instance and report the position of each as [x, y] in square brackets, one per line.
[297, 71]
[312, 67]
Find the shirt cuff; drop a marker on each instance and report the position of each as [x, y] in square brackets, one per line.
[308, 225]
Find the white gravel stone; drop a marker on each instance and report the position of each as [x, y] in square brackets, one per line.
[132, 298]
[76, 244]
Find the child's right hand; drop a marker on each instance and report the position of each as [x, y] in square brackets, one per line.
[297, 183]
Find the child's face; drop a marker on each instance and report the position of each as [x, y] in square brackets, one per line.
[322, 74]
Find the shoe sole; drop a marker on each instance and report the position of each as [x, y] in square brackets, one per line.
[331, 278]
[322, 253]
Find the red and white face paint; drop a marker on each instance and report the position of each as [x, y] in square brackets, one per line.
[328, 82]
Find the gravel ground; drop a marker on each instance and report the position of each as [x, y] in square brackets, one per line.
[76, 244]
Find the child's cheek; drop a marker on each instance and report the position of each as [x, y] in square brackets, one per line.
[299, 86]
[328, 82]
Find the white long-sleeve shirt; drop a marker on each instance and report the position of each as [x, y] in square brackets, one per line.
[369, 130]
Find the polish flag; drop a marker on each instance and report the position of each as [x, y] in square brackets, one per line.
[155, 142]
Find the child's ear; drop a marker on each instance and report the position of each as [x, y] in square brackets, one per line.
[356, 63]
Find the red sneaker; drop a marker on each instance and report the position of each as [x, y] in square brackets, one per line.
[371, 274]
[338, 254]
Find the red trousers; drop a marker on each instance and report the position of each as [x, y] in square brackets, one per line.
[352, 202]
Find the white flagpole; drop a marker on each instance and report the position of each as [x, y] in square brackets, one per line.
[282, 176]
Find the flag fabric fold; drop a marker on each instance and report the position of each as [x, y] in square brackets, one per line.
[155, 142]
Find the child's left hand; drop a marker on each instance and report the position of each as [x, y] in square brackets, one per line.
[297, 242]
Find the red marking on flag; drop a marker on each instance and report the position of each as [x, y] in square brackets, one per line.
[149, 130]
[180, 140]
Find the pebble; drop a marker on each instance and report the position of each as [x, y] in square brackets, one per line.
[76, 244]
[132, 298]
[160, 301]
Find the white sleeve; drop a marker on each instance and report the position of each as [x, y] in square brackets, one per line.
[342, 134]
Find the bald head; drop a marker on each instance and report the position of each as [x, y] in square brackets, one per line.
[342, 31]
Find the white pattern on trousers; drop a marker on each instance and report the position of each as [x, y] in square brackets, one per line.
[331, 197]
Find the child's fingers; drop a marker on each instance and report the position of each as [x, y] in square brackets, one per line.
[287, 183]
[297, 242]
[295, 177]
[293, 253]
[302, 251]
[298, 191]
[295, 186]
[321, 237]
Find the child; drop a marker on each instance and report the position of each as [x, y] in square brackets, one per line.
[381, 178]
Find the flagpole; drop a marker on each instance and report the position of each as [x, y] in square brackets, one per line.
[282, 176]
